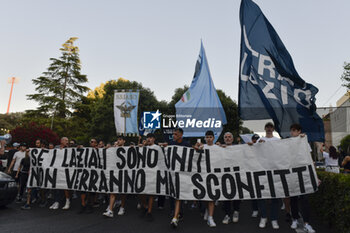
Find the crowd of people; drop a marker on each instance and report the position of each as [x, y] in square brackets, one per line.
[18, 167]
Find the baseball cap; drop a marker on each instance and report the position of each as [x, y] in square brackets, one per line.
[15, 144]
[23, 144]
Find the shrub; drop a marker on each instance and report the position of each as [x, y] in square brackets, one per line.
[30, 132]
[332, 201]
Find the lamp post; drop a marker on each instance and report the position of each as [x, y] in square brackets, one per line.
[11, 80]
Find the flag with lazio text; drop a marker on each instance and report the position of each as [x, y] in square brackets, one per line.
[269, 85]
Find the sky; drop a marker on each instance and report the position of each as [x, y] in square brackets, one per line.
[156, 42]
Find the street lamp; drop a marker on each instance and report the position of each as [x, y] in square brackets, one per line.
[11, 80]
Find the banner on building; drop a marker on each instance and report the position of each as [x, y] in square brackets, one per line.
[273, 169]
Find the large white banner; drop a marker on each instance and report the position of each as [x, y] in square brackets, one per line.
[272, 169]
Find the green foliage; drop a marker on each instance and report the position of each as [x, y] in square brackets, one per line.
[345, 143]
[61, 85]
[332, 200]
[10, 121]
[346, 75]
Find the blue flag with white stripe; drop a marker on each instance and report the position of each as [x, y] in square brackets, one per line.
[269, 85]
[200, 109]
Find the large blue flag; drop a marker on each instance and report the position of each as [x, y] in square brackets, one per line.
[269, 85]
[200, 108]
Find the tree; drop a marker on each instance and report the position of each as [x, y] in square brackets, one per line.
[10, 121]
[345, 143]
[30, 132]
[346, 75]
[62, 84]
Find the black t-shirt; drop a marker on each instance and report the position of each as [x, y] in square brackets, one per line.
[10, 155]
[25, 163]
[183, 143]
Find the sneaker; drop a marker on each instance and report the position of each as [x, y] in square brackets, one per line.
[263, 222]
[235, 217]
[275, 225]
[26, 207]
[255, 214]
[108, 214]
[121, 211]
[226, 219]
[174, 223]
[149, 217]
[34, 200]
[55, 206]
[67, 205]
[308, 228]
[294, 224]
[283, 206]
[138, 206]
[206, 214]
[82, 209]
[211, 222]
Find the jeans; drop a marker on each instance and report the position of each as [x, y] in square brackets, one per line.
[255, 205]
[273, 209]
[305, 208]
[23, 178]
[227, 206]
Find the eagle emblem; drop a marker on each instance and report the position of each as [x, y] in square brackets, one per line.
[125, 109]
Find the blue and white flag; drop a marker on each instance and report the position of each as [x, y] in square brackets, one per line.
[269, 85]
[125, 112]
[200, 109]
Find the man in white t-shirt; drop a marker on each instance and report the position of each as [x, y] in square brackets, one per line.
[269, 128]
[16, 160]
[209, 212]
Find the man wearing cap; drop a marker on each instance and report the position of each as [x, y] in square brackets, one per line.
[11, 153]
[16, 161]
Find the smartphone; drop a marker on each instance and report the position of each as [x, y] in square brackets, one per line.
[199, 140]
